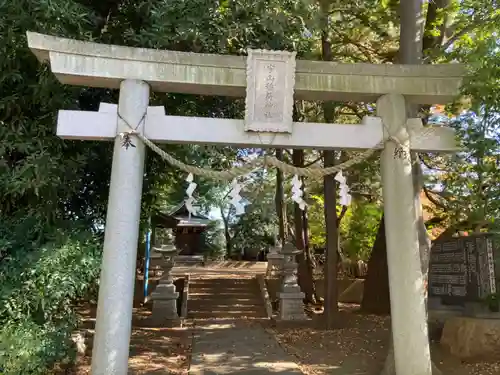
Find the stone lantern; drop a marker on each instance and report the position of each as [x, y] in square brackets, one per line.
[291, 297]
[165, 296]
[274, 262]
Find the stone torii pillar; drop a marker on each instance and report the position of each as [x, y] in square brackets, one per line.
[121, 232]
[116, 290]
[268, 80]
[408, 310]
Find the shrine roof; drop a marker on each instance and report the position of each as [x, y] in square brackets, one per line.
[180, 215]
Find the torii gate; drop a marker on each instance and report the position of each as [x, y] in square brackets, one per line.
[270, 81]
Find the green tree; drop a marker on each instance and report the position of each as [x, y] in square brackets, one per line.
[359, 228]
[465, 186]
[46, 181]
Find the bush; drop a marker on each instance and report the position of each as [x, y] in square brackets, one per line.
[30, 348]
[39, 288]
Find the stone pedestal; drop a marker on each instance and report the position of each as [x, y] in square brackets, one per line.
[165, 296]
[274, 263]
[165, 301]
[291, 306]
[291, 297]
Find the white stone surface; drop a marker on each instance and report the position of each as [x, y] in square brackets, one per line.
[269, 92]
[408, 313]
[116, 289]
[201, 130]
[100, 65]
[94, 126]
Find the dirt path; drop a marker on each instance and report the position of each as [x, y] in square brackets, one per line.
[230, 335]
[153, 350]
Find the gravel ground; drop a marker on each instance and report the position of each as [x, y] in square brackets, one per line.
[359, 347]
[153, 350]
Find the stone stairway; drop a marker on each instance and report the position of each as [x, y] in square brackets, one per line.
[219, 297]
[229, 338]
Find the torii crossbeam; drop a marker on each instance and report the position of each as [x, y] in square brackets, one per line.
[160, 128]
[268, 80]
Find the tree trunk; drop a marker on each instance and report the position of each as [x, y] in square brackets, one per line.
[332, 243]
[413, 42]
[280, 200]
[305, 275]
[227, 234]
[305, 221]
[330, 193]
[376, 293]
[311, 262]
[309, 259]
[305, 272]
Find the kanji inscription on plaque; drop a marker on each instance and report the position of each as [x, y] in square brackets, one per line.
[269, 95]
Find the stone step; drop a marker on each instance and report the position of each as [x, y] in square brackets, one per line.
[222, 301]
[225, 299]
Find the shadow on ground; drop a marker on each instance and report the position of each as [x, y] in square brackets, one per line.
[153, 350]
[230, 335]
[233, 336]
[358, 346]
[224, 298]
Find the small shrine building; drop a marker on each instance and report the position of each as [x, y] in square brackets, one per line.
[186, 229]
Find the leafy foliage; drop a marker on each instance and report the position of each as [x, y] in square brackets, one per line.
[39, 289]
[214, 240]
[254, 233]
[30, 348]
[34, 171]
[45, 182]
[465, 185]
[255, 230]
[359, 228]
